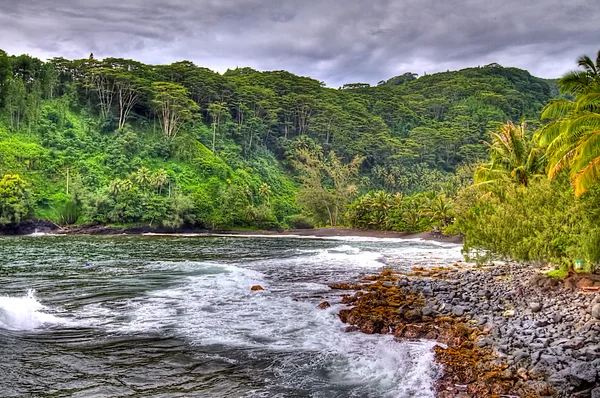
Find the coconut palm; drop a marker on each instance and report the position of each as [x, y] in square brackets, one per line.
[142, 177]
[581, 81]
[159, 179]
[513, 156]
[573, 135]
[573, 139]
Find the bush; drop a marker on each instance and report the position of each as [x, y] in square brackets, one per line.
[299, 221]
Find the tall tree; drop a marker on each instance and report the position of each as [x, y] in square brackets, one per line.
[216, 111]
[173, 106]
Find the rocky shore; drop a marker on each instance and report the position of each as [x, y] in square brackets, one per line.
[504, 330]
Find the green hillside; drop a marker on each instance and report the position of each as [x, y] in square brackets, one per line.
[115, 141]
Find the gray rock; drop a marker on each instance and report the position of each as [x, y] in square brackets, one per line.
[427, 311]
[458, 310]
[387, 284]
[596, 311]
[535, 307]
[583, 373]
[596, 392]
[557, 317]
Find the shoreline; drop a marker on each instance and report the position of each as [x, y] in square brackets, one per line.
[506, 330]
[39, 226]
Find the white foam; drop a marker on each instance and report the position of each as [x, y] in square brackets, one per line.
[220, 309]
[24, 313]
[291, 236]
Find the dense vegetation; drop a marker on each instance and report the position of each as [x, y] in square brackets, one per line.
[537, 199]
[115, 141]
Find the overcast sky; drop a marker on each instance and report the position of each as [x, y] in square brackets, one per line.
[337, 41]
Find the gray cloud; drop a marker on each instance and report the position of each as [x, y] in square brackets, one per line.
[338, 41]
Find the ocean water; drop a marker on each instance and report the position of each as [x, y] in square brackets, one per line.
[175, 317]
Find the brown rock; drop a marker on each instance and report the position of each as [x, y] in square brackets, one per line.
[257, 287]
[323, 305]
[585, 282]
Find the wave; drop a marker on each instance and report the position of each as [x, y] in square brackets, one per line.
[24, 313]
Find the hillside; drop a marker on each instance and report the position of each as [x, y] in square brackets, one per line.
[116, 141]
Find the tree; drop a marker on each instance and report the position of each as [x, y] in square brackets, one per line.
[128, 90]
[573, 135]
[103, 82]
[5, 73]
[216, 111]
[513, 156]
[15, 101]
[174, 107]
[14, 200]
[581, 81]
[322, 197]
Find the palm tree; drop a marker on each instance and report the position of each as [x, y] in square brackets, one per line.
[580, 81]
[573, 135]
[513, 156]
[159, 179]
[142, 177]
[265, 191]
[573, 139]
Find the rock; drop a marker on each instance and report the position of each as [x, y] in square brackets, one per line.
[458, 310]
[509, 313]
[412, 315]
[427, 311]
[585, 282]
[535, 307]
[387, 284]
[557, 317]
[583, 374]
[596, 311]
[257, 287]
[596, 392]
[324, 305]
[573, 344]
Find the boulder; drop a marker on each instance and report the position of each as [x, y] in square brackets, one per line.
[596, 392]
[257, 287]
[324, 305]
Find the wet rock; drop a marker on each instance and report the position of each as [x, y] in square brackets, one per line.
[324, 305]
[595, 392]
[257, 287]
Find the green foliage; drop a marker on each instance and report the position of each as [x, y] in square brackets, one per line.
[178, 145]
[383, 211]
[542, 222]
[14, 200]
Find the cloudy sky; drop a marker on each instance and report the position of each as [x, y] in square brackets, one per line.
[337, 41]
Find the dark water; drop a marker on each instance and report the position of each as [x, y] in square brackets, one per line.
[175, 317]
